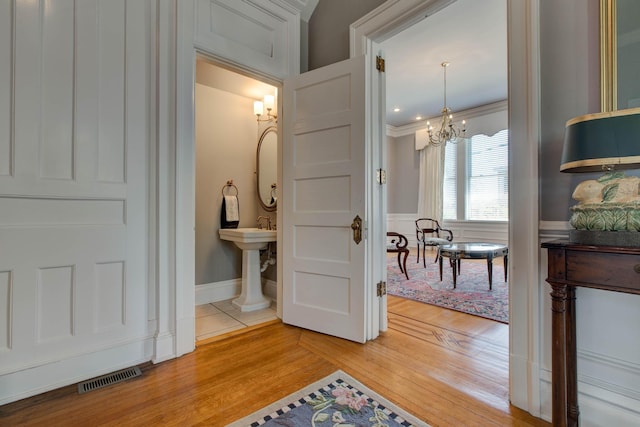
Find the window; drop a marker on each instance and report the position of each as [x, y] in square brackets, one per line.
[476, 179]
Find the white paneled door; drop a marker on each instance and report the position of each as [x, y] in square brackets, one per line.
[74, 134]
[324, 280]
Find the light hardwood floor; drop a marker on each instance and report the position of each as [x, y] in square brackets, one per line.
[445, 367]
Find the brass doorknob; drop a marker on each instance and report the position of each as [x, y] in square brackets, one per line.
[356, 226]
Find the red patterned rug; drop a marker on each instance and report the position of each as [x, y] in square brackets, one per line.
[472, 294]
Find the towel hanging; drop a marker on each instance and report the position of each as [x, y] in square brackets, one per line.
[230, 212]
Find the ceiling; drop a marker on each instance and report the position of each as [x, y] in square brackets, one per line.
[472, 36]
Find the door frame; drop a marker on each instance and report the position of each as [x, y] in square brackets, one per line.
[394, 16]
[175, 187]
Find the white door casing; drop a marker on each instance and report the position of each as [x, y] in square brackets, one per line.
[325, 284]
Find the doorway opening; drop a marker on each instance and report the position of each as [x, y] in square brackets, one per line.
[473, 202]
[227, 140]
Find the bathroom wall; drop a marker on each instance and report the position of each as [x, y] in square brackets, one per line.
[226, 142]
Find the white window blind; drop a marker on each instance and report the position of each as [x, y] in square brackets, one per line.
[449, 196]
[476, 179]
[487, 177]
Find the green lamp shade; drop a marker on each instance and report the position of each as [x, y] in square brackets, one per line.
[602, 141]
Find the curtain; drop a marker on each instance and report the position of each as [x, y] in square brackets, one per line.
[431, 177]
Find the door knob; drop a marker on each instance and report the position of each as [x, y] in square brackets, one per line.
[356, 226]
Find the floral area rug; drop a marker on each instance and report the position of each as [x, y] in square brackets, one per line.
[472, 294]
[337, 401]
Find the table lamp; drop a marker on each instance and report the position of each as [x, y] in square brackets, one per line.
[608, 208]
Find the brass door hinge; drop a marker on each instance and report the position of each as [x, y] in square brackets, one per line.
[382, 289]
[381, 176]
[380, 64]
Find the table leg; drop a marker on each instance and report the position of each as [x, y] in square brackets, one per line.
[454, 267]
[505, 261]
[559, 355]
[490, 270]
[573, 412]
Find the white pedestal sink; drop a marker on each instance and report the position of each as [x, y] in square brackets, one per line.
[250, 240]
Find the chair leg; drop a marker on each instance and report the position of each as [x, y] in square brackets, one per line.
[424, 260]
[404, 263]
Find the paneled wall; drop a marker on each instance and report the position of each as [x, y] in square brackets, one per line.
[74, 135]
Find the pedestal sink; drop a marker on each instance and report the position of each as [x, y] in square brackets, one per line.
[250, 240]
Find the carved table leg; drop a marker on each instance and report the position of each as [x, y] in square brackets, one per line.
[559, 354]
[572, 365]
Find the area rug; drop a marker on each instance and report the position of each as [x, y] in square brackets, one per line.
[472, 294]
[337, 401]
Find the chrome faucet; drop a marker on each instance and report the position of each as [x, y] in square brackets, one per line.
[261, 220]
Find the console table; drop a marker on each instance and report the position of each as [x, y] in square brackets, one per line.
[570, 265]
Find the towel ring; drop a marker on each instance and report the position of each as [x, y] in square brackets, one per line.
[228, 185]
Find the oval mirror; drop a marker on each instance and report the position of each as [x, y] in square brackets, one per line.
[267, 169]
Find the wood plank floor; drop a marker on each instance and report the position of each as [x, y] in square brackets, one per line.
[445, 367]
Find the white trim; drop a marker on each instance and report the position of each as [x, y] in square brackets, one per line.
[411, 128]
[218, 291]
[523, 24]
[524, 268]
[555, 225]
[70, 370]
[180, 177]
[229, 289]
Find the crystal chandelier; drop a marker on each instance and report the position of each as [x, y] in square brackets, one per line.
[448, 131]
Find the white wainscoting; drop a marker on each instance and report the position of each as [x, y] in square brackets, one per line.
[463, 231]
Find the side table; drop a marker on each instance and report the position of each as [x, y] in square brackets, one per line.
[571, 265]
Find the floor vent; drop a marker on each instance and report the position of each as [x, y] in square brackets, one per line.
[107, 380]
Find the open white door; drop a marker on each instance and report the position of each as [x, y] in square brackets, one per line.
[325, 284]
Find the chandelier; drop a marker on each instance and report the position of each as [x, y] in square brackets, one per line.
[448, 131]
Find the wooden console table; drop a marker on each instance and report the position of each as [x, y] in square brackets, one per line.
[570, 265]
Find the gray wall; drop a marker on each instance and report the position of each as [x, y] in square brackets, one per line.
[329, 29]
[570, 86]
[403, 174]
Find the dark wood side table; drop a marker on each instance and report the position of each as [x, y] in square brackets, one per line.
[570, 265]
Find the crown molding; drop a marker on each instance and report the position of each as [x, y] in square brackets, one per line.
[411, 128]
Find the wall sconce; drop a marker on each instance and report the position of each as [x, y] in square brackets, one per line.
[608, 212]
[268, 103]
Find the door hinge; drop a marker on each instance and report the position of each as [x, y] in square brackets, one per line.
[380, 64]
[382, 288]
[381, 176]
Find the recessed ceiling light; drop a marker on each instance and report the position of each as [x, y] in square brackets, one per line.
[396, 109]
[418, 117]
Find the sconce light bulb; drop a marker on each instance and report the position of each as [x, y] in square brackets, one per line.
[258, 108]
[269, 102]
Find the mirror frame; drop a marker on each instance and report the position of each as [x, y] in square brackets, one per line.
[268, 208]
[608, 56]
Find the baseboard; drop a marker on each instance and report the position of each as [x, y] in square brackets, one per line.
[30, 382]
[164, 347]
[600, 402]
[270, 289]
[222, 291]
[218, 291]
